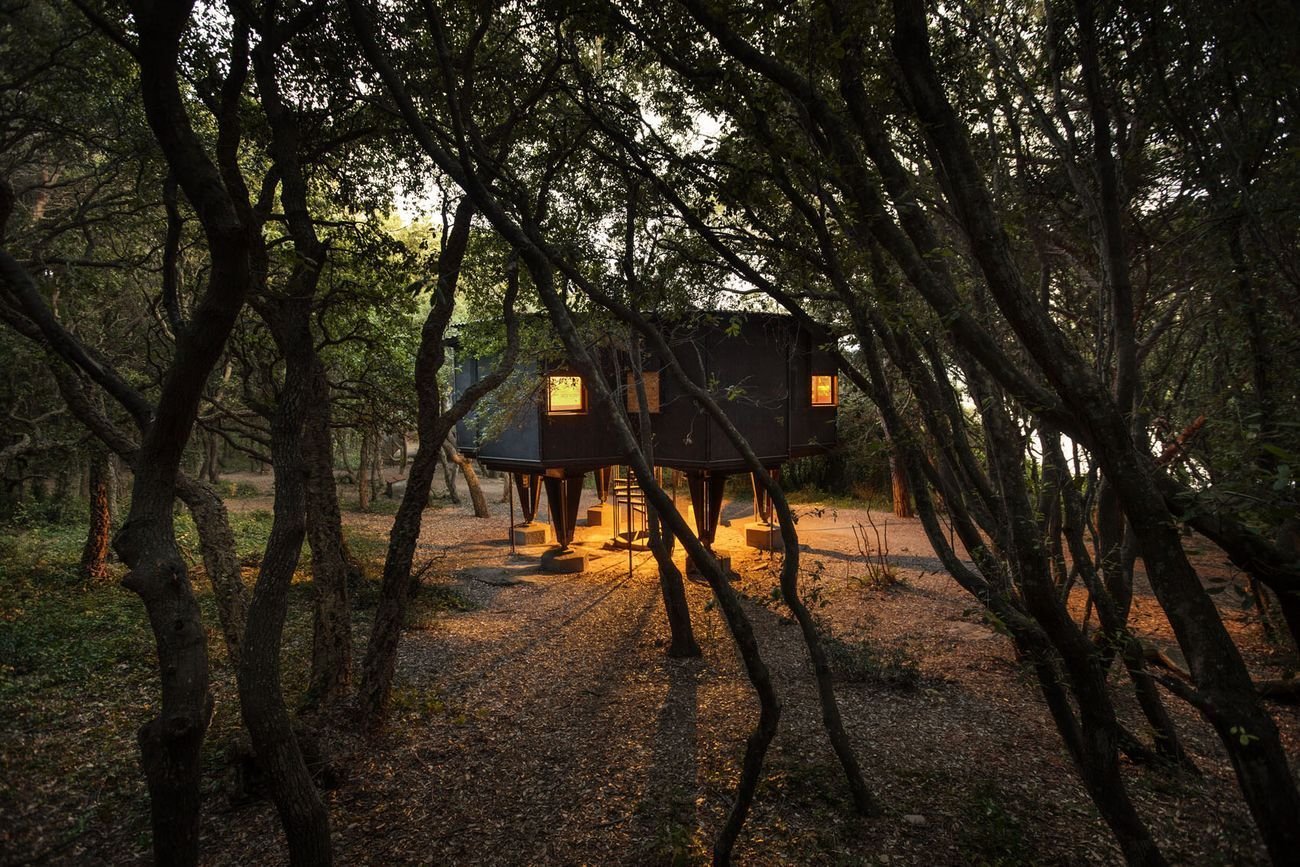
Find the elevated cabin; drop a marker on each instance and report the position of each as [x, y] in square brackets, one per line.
[770, 374]
[772, 378]
[548, 429]
[542, 431]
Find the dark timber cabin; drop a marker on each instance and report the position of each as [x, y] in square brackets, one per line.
[769, 373]
[763, 369]
[547, 437]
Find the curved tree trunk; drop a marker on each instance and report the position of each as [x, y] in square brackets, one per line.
[331, 658]
[170, 743]
[899, 488]
[299, 429]
[261, 698]
[220, 560]
[94, 555]
[452, 456]
[1225, 694]
[681, 642]
[449, 476]
[433, 426]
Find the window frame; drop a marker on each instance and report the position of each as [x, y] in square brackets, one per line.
[835, 389]
[581, 409]
[654, 397]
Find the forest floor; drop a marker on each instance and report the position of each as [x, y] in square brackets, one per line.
[537, 720]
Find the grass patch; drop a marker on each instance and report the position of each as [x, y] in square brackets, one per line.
[240, 490]
[432, 601]
[411, 702]
[859, 499]
[804, 784]
[867, 663]
[379, 505]
[678, 845]
[78, 676]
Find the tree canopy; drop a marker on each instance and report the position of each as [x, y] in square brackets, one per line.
[1055, 249]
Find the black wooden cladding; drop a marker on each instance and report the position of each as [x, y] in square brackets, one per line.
[758, 366]
[812, 428]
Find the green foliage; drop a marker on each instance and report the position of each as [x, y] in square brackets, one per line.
[54, 513]
[76, 678]
[54, 631]
[890, 667]
[1245, 737]
[431, 601]
[857, 470]
[251, 530]
[238, 490]
[677, 845]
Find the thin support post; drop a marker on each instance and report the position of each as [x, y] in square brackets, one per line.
[630, 536]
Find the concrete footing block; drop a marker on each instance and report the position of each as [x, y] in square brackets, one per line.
[564, 561]
[764, 536]
[723, 558]
[600, 516]
[534, 533]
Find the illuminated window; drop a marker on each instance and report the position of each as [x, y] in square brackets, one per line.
[565, 394]
[825, 390]
[651, 378]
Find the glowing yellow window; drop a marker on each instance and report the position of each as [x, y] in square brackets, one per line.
[825, 390]
[565, 394]
[651, 378]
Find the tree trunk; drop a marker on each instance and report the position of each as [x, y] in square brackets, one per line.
[363, 472]
[261, 699]
[211, 458]
[94, 555]
[898, 485]
[343, 451]
[331, 658]
[449, 478]
[1226, 695]
[113, 481]
[304, 394]
[682, 642]
[220, 561]
[376, 470]
[450, 454]
[432, 429]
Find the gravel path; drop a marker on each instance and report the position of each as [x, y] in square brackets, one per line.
[545, 725]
